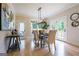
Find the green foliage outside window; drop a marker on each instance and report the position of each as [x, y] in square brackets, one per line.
[59, 25]
[34, 25]
[41, 25]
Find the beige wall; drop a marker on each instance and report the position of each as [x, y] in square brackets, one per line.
[72, 33]
[27, 25]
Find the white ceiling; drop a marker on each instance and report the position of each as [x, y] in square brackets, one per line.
[48, 9]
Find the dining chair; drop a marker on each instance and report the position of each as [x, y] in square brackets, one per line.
[36, 37]
[51, 39]
[42, 37]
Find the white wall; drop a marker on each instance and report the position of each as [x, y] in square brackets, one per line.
[2, 42]
[72, 33]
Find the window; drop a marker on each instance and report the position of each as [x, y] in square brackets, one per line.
[59, 25]
[21, 27]
[34, 25]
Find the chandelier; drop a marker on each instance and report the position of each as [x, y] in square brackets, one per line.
[42, 23]
[39, 13]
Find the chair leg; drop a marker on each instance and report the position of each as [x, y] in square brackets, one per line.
[36, 44]
[54, 46]
[49, 47]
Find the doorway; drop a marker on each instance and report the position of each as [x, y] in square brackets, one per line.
[21, 30]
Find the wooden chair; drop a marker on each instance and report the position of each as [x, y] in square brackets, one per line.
[51, 39]
[42, 38]
[36, 37]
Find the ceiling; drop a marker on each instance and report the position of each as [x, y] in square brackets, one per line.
[48, 9]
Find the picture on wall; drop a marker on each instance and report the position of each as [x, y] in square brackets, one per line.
[6, 17]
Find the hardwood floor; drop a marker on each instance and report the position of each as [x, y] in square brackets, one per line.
[62, 49]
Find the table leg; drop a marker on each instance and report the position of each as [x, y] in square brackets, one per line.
[19, 42]
[41, 43]
[9, 44]
[13, 40]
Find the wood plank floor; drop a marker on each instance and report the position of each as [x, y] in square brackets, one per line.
[62, 49]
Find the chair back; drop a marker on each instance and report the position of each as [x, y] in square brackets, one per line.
[51, 36]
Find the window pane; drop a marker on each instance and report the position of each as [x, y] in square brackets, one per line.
[34, 25]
